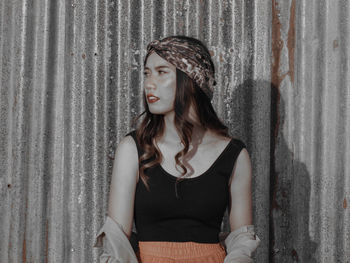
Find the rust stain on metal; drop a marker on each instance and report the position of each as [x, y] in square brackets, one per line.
[276, 77]
[110, 157]
[335, 43]
[14, 103]
[291, 41]
[274, 204]
[295, 255]
[345, 203]
[24, 255]
[47, 241]
[24, 249]
[277, 45]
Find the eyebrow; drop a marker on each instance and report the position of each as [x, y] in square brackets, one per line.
[158, 67]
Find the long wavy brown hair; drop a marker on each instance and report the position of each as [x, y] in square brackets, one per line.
[152, 126]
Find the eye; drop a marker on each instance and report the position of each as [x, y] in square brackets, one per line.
[161, 72]
[145, 73]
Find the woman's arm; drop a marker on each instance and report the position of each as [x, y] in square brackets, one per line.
[240, 210]
[242, 241]
[123, 184]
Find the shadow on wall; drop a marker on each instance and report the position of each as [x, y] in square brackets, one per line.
[289, 179]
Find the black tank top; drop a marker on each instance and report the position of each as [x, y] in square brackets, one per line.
[196, 213]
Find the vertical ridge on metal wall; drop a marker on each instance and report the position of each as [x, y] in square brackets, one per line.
[344, 121]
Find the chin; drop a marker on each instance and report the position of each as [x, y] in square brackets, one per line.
[158, 111]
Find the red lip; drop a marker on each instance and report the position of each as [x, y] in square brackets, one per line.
[151, 98]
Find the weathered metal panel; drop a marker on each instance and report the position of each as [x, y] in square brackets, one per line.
[71, 84]
[310, 179]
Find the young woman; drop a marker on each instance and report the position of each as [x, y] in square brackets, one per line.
[179, 170]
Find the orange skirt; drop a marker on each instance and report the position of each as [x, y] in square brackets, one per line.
[180, 252]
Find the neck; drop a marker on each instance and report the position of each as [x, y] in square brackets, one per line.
[170, 132]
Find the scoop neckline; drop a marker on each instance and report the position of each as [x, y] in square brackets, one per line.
[173, 177]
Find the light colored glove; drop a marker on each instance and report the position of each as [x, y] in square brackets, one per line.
[116, 245]
[240, 244]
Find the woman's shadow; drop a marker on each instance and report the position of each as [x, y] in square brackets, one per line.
[289, 183]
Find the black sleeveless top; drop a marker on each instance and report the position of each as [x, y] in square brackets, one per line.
[196, 213]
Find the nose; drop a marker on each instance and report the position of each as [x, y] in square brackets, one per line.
[149, 83]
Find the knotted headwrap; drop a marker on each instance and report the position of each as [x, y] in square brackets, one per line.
[190, 56]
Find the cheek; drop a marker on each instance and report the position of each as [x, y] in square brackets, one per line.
[172, 90]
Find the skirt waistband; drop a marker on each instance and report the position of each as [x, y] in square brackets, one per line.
[179, 249]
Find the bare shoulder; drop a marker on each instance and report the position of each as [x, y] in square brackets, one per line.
[127, 145]
[242, 162]
[242, 171]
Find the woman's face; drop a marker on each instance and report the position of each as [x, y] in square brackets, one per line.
[159, 84]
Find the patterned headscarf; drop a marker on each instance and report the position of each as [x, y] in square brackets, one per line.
[190, 56]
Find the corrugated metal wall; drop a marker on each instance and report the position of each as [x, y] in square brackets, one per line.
[311, 176]
[71, 79]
